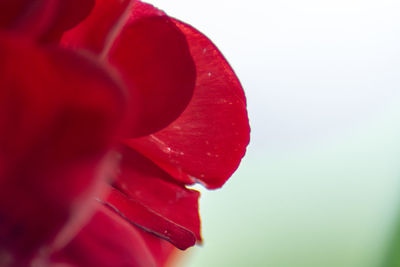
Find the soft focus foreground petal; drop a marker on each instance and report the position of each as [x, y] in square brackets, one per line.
[29, 17]
[150, 53]
[68, 14]
[59, 115]
[107, 241]
[206, 143]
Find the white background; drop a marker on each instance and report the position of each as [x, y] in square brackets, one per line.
[320, 183]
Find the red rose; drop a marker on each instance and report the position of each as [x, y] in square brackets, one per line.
[111, 108]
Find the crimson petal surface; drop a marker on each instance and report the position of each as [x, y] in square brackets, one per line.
[207, 141]
[151, 199]
[153, 58]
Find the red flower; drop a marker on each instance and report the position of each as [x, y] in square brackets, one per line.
[115, 101]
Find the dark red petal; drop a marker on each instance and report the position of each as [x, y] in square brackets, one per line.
[67, 15]
[206, 143]
[149, 198]
[145, 218]
[100, 28]
[150, 53]
[143, 181]
[59, 115]
[30, 17]
[108, 240]
[153, 58]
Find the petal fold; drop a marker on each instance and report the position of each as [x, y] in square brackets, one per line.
[146, 219]
[149, 198]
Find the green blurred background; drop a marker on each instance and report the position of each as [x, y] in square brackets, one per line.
[320, 184]
[328, 205]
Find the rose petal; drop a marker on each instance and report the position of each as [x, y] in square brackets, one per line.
[150, 53]
[145, 182]
[26, 16]
[149, 198]
[100, 28]
[206, 143]
[153, 58]
[108, 240]
[67, 15]
[59, 115]
[145, 218]
[142, 10]
[43, 19]
[98, 31]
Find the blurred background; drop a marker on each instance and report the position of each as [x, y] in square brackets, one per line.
[320, 184]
